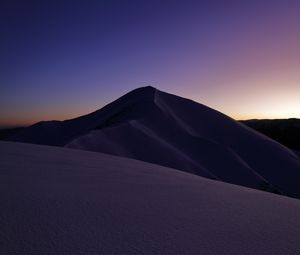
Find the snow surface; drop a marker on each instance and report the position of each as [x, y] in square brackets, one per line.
[157, 127]
[63, 201]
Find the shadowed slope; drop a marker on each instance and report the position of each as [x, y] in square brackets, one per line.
[63, 201]
[161, 128]
[59, 133]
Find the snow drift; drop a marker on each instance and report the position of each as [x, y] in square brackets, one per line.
[63, 201]
[157, 127]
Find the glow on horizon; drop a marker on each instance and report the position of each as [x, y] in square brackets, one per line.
[64, 61]
[281, 106]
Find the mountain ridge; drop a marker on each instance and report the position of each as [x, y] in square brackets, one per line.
[157, 127]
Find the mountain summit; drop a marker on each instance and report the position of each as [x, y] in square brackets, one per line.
[153, 126]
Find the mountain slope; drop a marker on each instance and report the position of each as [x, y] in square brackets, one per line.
[153, 126]
[62, 201]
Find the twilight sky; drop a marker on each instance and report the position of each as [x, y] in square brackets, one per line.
[62, 59]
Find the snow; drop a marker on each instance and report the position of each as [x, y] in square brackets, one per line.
[63, 201]
[157, 127]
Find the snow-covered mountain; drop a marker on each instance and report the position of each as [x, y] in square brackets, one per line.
[157, 127]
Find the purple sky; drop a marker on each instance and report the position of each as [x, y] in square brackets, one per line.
[61, 59]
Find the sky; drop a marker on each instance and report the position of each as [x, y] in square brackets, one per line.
[62, 59]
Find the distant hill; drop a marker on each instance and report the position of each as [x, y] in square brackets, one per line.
[153, 126]
[7, 132]
[285, 131]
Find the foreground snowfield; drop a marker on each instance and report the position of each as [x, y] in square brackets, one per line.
[64, 201]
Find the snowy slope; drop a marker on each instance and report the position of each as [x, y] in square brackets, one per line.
[62, 201]
[153, 126]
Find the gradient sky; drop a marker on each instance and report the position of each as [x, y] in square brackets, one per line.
[61, 59]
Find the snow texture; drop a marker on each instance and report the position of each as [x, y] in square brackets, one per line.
[63, 201]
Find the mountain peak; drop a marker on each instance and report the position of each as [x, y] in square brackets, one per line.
[149, 87]
[141, 93]
[144, 90]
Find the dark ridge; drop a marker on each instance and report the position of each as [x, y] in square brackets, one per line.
[284, 131]
[7, 132]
